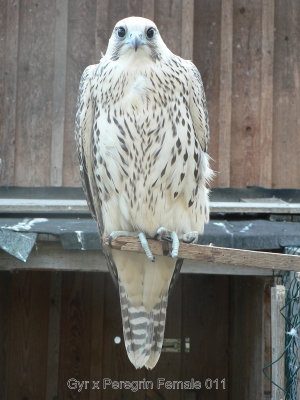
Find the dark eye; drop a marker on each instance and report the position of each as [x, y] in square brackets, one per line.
[121, 32]
[150, 33]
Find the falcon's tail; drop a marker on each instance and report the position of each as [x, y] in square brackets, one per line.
[143, 287]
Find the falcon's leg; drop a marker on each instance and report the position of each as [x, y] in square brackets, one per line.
[163, 234]
[140, 235]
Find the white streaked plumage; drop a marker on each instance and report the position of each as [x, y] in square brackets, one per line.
[142, 135]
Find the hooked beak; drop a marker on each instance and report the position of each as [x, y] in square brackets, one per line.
[135, 41]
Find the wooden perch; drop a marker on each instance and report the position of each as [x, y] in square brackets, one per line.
[222, 255]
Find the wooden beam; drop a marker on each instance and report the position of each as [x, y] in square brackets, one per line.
[225, 93]
[46, 206]
[266, 116]
[212, 254]
[278, 340]
[53, 336]
[59, 92]
[51, 256]
[10, 95]
[187, 29]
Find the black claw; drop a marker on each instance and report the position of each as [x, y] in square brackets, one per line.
[156, 236]
[153, 259]
[167, 239]
[189, 241]
[109, 241]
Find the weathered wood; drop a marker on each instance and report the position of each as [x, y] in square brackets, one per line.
[286, 116]
[266, 338]
[266, 117]
[205, 321]
[59, 92]
[148, 9]
[51, 256]
[28, 335]
[246, 89]
[187, 29]
[65, 206]
[75, 335]
[97, 329]
[102, 33]
[206, 56]
[53, 336]
[213, 254]
[278, 340]
[80, 54]
[34, 100]
[246, 338]
[168, 20]
[5, 299]
[225, 94]
[7, 153]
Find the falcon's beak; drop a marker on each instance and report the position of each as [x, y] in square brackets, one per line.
[135, 40]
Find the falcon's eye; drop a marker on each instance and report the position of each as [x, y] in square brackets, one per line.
[150, 33]
[121, 32]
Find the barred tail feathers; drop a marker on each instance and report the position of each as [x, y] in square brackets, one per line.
[143, 287]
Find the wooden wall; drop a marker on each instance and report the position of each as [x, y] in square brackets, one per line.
[55, 326]
[247, 52]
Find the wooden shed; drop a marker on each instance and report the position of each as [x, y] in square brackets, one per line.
[59, 311]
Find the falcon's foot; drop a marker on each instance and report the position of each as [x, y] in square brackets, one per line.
[140, 235]
[163, 234]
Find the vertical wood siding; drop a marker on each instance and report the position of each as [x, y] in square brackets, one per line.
[246, 51]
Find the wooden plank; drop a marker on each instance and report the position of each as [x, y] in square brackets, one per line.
[266, 117]
[28, 335]
[102, 33]
[246, 304]
[225, 94]
[278, 340]
[206, 56]
[3, 29]
[267, 347]
[10, 93]
[80, 206]
[59, 92]
[187, 29]
[212, 254]
[286, 116]
[5, 291]
[168, 20]
[51, 256]
[53, 336]
[34, 100]
[246, 90]
[169, 364]
[97, 333]
[75, 336]
[80, 54]
[148, 9]
[205, 321]
[116, 365]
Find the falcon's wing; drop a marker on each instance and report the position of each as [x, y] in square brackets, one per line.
[198, 107]
[83, 135]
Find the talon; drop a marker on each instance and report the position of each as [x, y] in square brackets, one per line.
[109, 241]
[166, 238]
[188, 240]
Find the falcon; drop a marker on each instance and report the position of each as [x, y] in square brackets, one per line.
[142, 134]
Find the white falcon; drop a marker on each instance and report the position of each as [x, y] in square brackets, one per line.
[142, 134]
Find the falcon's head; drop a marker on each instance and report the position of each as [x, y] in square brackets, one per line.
[135, 36]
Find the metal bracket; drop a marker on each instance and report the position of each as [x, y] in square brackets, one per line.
[174, 345]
